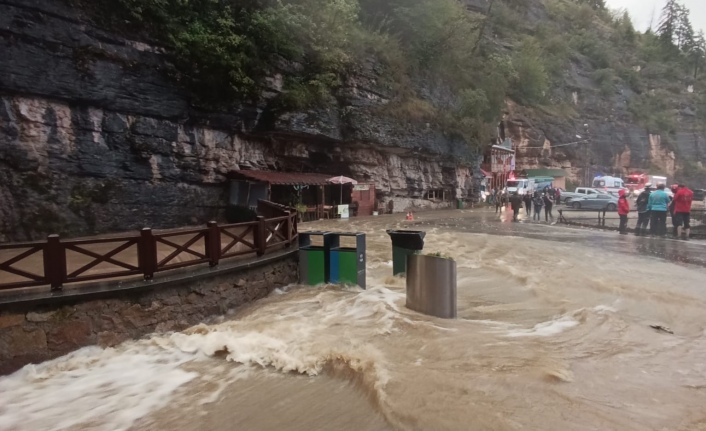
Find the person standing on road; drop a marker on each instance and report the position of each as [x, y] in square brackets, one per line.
[623, 211]
[643, 214]
[516, 204]
[548, 204]
[658, 205]
[675, 223]
[527, 199]
[682, 210]
[538, 203]
[557, 196]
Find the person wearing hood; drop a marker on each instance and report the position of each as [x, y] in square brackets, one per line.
[643, 214]
[623, 211]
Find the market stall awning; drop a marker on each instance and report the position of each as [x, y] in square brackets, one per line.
[283, 178]
[486, 173]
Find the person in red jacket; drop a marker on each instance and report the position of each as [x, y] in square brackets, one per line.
[623, 211]
[682, 210]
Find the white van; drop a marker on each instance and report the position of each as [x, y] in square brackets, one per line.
[521, 185]
[609, 184]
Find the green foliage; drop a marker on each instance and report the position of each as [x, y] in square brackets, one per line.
[654, 113]
[589, 44]
[221, 49]
[438, 62]
[440, 255]
[532, 80]
[435, 31]
[605, 78]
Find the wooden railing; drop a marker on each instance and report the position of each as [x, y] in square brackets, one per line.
[56, 262]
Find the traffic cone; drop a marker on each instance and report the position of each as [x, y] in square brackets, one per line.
[410, 216]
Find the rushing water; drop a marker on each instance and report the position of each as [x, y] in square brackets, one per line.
[554, 333]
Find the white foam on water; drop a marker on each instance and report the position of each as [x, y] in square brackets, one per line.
[546, 329]
[109, 389]
[601, 309]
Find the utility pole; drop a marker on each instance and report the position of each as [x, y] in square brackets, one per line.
[587, 174]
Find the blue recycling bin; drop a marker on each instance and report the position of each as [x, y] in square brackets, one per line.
[347, 262]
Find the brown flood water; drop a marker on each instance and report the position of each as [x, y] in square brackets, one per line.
[553, 334]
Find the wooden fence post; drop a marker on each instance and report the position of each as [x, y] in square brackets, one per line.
[55, 262]
[147, 253]
[260, 236]
[288, 225]
[213, 243]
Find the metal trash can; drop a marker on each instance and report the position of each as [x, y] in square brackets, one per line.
[314, 260]
[347, 262]
[404, 243]
[431, 285]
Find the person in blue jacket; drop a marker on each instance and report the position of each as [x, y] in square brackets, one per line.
[658, 205]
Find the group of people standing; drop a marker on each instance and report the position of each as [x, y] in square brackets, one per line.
[545, 200]
[652, 209]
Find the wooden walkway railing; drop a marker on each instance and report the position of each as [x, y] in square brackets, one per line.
[145, 253]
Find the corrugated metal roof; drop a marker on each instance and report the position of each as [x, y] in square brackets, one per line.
[283, 178]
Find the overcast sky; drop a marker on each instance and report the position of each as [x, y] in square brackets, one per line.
[641, 11]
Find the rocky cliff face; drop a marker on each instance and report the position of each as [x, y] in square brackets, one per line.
[94, 138]
[614, 142]
[602, 138]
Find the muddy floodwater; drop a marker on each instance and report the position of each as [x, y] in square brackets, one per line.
[554, 332]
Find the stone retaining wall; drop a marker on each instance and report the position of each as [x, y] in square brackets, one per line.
[31, 334]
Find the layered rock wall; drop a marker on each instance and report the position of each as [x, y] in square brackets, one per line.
[94, 138]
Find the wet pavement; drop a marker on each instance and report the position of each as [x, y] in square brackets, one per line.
[486, 221]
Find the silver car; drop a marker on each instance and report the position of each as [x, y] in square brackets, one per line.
[599, 201]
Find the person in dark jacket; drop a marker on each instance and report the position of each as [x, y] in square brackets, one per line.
[516, 204]
[623, 211]
[527, 199]
[538, 203]
[643, 214]
[548, 204]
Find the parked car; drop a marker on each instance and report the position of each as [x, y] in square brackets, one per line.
[699, 194]
[580, 192]
[602, 201]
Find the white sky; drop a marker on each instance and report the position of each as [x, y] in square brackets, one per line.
[641, 11]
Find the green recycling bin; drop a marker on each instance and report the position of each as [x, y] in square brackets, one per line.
[404, 243]
[314, 260]
[347, 261]
[459, 204]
